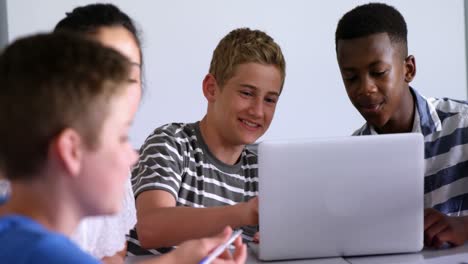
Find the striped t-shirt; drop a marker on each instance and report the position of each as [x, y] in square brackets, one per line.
[444, 125]
[176, 159]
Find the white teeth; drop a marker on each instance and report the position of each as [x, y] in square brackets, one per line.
[249, 123]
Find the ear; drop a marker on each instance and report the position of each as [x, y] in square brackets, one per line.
[210, 87]
[68, 148]
[410, 68]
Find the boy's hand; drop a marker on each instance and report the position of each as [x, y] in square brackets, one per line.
[440, 228]
[256, 238]
[193, 251]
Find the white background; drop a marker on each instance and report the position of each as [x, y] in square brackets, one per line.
[180, 35]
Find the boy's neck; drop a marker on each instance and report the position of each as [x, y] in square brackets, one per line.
[41, 203]
[222, 149]
[403, 119]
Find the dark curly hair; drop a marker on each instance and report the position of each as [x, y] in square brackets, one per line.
[373, 18]
[89, 18]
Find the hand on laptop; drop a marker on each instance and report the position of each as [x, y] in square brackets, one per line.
[440, 228]
[256, 238]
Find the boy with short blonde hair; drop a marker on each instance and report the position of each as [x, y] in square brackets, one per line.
[242, 46]
[193, 179]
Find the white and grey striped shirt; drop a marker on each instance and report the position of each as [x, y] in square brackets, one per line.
[444, 124]
[175, 158]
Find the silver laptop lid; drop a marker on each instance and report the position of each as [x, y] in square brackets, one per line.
[341, 196]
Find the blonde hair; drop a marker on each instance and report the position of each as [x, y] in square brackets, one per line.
[244, 45]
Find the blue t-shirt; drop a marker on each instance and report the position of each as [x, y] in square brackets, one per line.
[23, 240]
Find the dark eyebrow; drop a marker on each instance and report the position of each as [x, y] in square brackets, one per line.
[255, 88]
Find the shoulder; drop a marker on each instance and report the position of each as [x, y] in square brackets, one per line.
[448, 105]
[172, 133]
[25, 241]
[175, 129]
[56, 248]
[452, 113]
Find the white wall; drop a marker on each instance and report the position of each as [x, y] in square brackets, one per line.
[180, 35]
[3, 25]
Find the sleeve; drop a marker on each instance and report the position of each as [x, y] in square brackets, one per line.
[161, 163]
[58, 250]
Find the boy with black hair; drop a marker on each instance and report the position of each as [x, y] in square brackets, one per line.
[372, 53]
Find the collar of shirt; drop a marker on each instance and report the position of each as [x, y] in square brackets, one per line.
[426, 120]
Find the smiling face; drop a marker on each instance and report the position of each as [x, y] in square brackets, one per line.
[376, 75]
[243, 108]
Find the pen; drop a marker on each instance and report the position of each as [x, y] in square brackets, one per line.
[220, 249]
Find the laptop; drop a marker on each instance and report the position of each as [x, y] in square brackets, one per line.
[343, 196]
